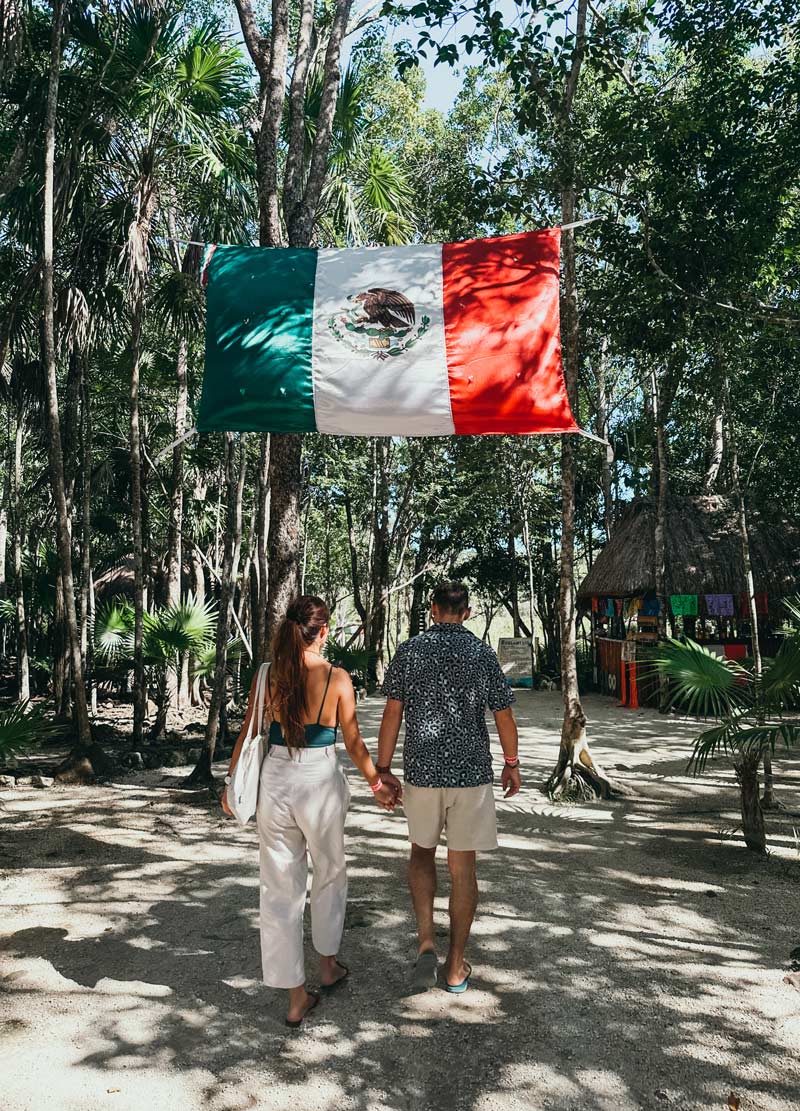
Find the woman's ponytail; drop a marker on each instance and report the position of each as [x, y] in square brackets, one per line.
[301, 626]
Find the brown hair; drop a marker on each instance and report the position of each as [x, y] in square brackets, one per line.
[300, 628]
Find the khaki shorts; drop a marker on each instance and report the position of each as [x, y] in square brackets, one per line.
[467, 814]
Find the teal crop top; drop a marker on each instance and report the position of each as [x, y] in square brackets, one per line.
[317, 735]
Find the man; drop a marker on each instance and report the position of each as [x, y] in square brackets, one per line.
[443, 680]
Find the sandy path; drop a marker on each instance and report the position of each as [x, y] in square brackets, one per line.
[627, 956]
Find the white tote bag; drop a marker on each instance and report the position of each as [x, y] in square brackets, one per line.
[242, 790]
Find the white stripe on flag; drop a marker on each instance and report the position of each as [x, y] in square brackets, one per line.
[393, 383]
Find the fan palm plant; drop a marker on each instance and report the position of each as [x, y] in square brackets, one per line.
[169, 633]
[754, 713]
[22, 727]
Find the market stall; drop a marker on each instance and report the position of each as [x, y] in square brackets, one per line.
[703, 599]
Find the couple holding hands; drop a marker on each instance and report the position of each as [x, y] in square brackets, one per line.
[442, 682]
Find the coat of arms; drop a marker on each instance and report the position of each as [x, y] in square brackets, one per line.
[379, 323]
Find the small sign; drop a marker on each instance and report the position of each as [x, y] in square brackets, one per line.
[514, 654]
[629, 651]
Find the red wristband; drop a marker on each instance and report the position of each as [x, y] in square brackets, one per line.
[511, 761]
[376, 786]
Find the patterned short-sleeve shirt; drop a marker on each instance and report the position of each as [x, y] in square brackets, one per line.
[445, 678]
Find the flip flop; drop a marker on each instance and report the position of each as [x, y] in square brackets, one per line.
[425, 970]
[328, 988]
[294, 1023]
[459, 989]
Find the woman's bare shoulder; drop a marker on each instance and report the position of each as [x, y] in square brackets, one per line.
[340, 678]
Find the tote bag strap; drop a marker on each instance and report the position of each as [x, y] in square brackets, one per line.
[258, 709]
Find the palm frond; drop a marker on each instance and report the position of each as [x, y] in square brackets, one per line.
[23, 726]
[738, 739]
[178, 300]
[792, 607]
[113, 631]
[781, 679]
[199, 619]
[701, 683]
[205, 660]
[173, 630]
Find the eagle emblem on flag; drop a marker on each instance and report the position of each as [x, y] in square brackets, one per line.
[379, 323]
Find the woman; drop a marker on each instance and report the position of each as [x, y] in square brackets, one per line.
[302, 803]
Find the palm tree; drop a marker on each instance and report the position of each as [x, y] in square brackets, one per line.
[366, 198]
[22, 727]
[754, 712]
[182, 113]
[169, 633]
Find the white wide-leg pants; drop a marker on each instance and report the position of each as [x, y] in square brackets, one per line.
[302, 803]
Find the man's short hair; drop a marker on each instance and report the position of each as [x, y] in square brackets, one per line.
[451, 597]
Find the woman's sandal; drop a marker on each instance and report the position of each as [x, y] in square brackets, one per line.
[294, 1023]
[459, 989]
[425, 971]
[328, 988]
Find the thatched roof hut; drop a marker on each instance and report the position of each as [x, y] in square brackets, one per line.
[703, 551]
[116, 581]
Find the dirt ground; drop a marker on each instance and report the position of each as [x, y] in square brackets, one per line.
[627, 955]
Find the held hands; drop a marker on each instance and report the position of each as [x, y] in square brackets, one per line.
[510, 781]
[386, 797]
[392, 781]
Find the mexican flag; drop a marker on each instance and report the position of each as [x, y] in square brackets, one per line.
[425, 340]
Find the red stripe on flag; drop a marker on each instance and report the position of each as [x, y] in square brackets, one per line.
[502, 334]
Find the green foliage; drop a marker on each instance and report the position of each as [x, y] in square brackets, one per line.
[22, 727]
[702, 683]
[367, 197]
[355, 661]
[755, 712]
[683, 138]
[167, 634]
[206, 657]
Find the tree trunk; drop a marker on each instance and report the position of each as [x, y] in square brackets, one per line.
[716, 450]
[175, 531]
[4, 516]
[284, 525]
[61, 691]
[140, 235]
[752, 815]
[526, 536]
[233, 536]
[576, 772]
[417, 615]
[4, 519]
[376, 633]
[55, 456]
[511, 552]
[86, 513]
[660, 529]
[139, 688]
[23, 660]
[92, 614]
[769, 790]
[261, 644]
[602, 431]
[199, 590]
[355, 575]
[302, 194]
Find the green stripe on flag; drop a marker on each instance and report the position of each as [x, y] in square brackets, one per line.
[258, 340]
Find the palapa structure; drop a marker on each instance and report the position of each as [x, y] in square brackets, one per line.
[703, 552]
